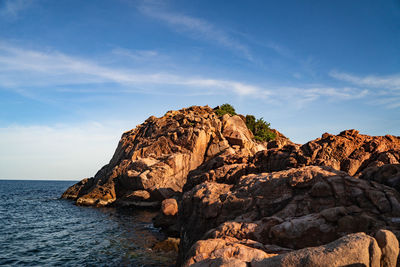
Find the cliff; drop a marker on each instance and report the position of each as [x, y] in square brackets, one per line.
[233, 201]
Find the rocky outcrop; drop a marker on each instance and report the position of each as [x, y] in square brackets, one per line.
[349, 151]
[279, 141]
[152, 161]
[388, 174]
[294, 209]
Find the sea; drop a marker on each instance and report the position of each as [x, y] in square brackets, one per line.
[37, 228]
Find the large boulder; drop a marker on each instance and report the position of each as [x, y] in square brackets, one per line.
[352, 250]
[389, 245]
[356, 249]
[226, 249]
[152, 161]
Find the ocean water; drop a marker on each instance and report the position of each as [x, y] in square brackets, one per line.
[40, 229]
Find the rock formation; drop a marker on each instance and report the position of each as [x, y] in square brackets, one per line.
[349, 151]
[152, 161]
[294, 209]
[333, 201]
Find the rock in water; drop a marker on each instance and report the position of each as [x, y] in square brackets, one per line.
[152, 161]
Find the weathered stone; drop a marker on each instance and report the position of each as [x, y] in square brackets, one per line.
[349, 151]
[226, 249]
[388, 174]
[169, 207]
[352, 250]
[389, 245]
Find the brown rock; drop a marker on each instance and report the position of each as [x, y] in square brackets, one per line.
[169, 207]
[356, 249]
[225, 249]
[169, 244]
[389, 245]
[279, 141]
[352, 250]
[297, 208]
[349, 151]
[388, 174]
[236, 132]
[78, 189]
[220, 262]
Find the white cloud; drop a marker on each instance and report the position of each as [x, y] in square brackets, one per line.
[57, 151]
[384, 82]
[197, 28]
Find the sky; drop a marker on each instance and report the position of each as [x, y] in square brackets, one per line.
[74, 75]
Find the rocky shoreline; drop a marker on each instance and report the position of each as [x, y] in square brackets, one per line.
[234, 201]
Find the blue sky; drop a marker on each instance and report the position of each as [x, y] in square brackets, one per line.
[75, 74]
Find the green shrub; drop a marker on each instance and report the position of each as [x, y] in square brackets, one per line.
[225, 109]
[260, 128]
[251, 122]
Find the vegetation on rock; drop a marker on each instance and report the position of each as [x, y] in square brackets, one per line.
[259, 127]
[225, 109]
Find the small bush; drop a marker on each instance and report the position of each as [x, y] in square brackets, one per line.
[260, 128]
[251, 122]
[225, 109]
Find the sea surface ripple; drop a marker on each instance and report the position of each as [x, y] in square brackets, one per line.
[40, 229]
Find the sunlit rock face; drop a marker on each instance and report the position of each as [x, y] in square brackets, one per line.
[348, 151]
[152, 161]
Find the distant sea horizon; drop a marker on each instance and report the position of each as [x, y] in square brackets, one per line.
[39, 179]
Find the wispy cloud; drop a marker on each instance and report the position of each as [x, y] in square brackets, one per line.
[27, 71]
[11, 8]
[301, 96]
[196, 28]
[136, 55]
[54, 68]
[384, 82]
